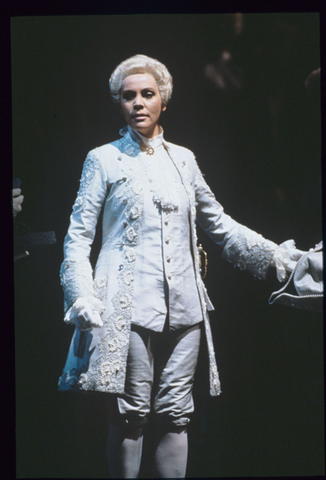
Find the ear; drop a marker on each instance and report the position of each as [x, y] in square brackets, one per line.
[163, 107]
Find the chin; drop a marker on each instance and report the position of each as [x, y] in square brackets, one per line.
[142, 130]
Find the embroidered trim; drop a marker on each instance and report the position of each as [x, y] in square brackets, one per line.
[91, 164]
[250, 251]
[108, 371]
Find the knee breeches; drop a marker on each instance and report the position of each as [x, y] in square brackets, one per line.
[160, 376]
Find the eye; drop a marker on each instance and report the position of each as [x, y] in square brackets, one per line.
[148, 93]
[128, 95]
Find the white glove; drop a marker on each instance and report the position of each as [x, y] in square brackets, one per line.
[85, 313]
[285, 259]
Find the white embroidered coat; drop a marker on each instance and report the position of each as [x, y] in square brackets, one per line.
[112, 177]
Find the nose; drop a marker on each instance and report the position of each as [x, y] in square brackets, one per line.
[138, 102]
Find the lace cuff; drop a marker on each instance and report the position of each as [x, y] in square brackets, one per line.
[250, 251]
[285, 259]
[76, 280]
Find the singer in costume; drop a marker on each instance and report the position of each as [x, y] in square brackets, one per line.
[139, 316]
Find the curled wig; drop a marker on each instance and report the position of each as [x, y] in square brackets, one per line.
[141, 64]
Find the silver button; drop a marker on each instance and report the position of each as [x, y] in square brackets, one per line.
[170, 276]
[167, 241]
[166, 222]
[168, 259]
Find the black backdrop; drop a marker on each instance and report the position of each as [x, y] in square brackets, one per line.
[258, 142]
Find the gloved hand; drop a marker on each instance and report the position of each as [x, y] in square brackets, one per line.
[285, 259]
[17, 200]
[85, 313]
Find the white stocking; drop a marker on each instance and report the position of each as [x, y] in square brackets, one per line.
[170, 460]
[124, 451]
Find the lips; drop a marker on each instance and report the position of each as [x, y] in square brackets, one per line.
[139, 116]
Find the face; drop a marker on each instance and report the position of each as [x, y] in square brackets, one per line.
[141, 103]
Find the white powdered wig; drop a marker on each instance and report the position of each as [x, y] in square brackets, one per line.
[141, 64]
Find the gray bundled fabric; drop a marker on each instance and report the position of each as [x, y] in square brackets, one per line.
[308, 282]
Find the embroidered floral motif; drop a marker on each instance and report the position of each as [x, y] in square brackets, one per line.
[91, 164]
[120, 322]
[165, 206]
[130, 254]
[130, 235]
[128, 278]
[125, 301]
[107, 370]
[113, 344]
[250, 251]
[135, 213]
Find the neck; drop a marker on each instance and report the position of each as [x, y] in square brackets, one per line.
[150, 133]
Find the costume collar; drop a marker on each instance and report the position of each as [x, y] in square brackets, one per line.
[133, 141]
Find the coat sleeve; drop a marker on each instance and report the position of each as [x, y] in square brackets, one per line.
[242, 246]
[76, 273]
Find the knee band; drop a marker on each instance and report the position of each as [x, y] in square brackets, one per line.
[171, 421]
[129, 420]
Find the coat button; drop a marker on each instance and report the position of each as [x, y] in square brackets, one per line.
[129, 150]
[168, 259]
[167, 241]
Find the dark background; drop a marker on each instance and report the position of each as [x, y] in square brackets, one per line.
[256, 135]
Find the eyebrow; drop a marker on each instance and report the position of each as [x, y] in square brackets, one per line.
[143, 89]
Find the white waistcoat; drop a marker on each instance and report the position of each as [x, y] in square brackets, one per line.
[165, 282]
